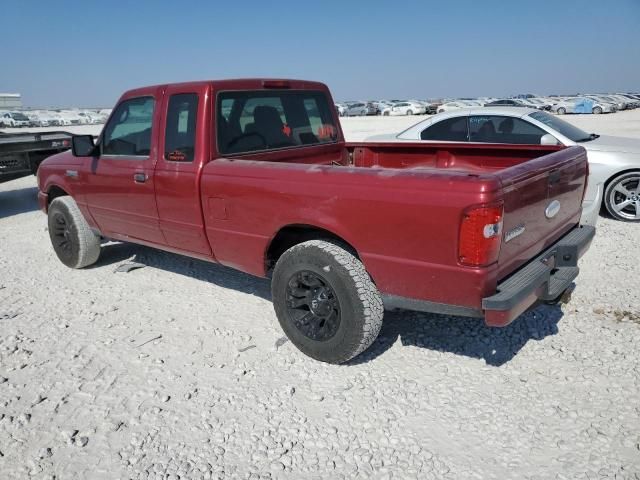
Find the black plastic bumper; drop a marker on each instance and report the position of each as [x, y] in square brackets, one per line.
[545, 278]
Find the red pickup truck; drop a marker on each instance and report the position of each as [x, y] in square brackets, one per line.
[255, 174]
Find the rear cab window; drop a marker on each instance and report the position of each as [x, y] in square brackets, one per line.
[263, 120]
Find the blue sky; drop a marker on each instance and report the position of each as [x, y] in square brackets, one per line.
[84, 53]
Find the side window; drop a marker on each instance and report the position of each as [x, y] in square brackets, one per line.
[128, 132]
[449, 130]
[499, 129]
[180, 134]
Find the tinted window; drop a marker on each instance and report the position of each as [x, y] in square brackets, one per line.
[559, 125]
[500, 129]
[449, 130]
[180, 134]
[264, 120]
[129, 129]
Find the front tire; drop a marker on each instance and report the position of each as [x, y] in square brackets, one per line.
[561, 111]
[622, 197]
[596, 110]
[409, 112]
[73, 241]
[325, 301]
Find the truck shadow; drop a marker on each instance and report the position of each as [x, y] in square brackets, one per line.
[20, 200]
[462, 336]
[216, 274]
[468, 337]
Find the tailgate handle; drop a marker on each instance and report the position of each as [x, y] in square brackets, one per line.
[554, 176]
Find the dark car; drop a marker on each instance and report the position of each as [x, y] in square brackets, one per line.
[509, 102]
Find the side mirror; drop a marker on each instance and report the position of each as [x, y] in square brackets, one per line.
[82, 146]
[549, 139]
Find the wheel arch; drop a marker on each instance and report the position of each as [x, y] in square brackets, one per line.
[294, 234]
[615, 175]
[55, 191]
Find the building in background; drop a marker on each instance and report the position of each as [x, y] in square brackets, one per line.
[10, 100]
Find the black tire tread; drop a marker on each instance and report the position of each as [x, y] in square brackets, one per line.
[367, 293]
[88, 242]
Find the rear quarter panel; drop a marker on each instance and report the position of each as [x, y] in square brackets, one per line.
[403, 223]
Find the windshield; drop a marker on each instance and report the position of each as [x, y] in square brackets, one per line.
[565, 128]
[19, 116]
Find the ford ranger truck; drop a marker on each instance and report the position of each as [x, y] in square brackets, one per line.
[255, 174]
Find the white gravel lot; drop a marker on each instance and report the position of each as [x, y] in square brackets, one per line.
[179, 370]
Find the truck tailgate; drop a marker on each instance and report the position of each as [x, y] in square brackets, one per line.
[542, 201]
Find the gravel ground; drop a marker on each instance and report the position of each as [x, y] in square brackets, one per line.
[179, 370]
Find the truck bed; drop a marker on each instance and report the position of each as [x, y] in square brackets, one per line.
[400, 204]
[21, 153]
[472, 158]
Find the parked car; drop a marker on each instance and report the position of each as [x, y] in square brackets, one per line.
[632, 101]
[36, 119]
[620, 104]
[384, 108]
[457, 105]
[507, 102]
[360, 109]
[614, 162]
[14, 120]
[407, 108]
[343, 230]
[583, 105]
[341, 109]
[401, 108]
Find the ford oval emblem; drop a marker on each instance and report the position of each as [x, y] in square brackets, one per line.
[552, 209]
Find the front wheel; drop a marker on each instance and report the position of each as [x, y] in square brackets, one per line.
[622, 197]
[409, 112]
[597, 110]
[73, 241]
[561, 111]
[325, 301]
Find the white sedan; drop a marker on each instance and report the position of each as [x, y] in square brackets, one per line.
[457, 105]
[614, 162]
[407, 108]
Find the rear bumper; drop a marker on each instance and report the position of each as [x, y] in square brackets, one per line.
[545, 279]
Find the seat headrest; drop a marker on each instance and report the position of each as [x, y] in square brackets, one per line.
[264, 114]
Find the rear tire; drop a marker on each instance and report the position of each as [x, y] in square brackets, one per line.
[409, 112]
[622, 197]
[325, 301]
[73, 241]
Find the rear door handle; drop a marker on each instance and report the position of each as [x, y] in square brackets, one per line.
[140, 177]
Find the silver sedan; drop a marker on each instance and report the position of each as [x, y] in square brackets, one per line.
[614, 162]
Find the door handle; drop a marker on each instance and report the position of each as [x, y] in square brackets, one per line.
[140, 177]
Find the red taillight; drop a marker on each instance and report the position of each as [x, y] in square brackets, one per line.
[480, 235]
